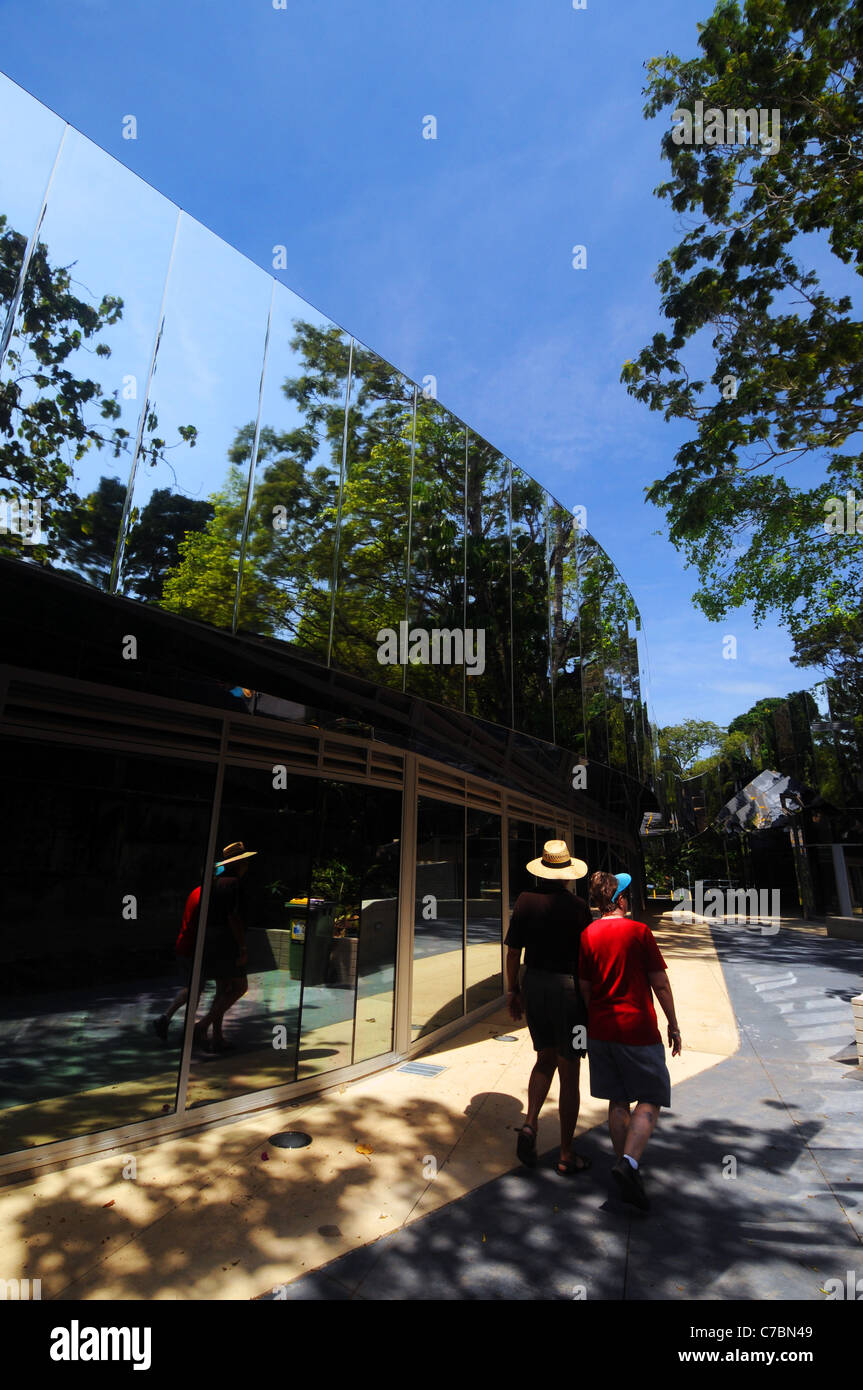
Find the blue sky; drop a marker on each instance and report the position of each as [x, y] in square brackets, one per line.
[303, 127]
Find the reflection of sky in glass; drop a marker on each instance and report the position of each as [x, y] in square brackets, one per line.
[113, 233]
[208, 369]
[283, 363]
[31, 137]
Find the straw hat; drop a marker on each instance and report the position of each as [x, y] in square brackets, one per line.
[234, 852]
[557, 862]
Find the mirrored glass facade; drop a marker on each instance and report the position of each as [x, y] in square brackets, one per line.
[261, 589]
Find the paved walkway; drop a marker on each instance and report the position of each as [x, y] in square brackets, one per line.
[223, 1214]
[756, 1177]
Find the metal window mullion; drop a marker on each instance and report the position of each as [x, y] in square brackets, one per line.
[250, 485]
[203, 909]
[403, 980]
[548, 598]
[511, 627]
[464, 572]
[464, 841]
[410, 527]
[120, 549]
[342, 480]
[504, 881]
[12, 312]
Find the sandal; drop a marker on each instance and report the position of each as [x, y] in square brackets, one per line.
[526, 1146]
[579, 1164]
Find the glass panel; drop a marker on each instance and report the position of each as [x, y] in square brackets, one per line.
[521, 850]
[373, 534]
[565, 631]
[376, 952]
[613, 619]
[489, 692]
[290, 550]
[103, 249]
[189, 498]
[437, 590]
[532, 688]
[590, 575]
[26, 161]
[274, 816]
[101, 850]
[616, 608]
[439, 916]
[632, 698]
[526, 840]
[352, 932]
[483, 976]
[318, 904]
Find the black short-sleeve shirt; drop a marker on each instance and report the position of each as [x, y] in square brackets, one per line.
[548, 923]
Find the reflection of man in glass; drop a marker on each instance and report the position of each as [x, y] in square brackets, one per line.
[184, 951]
[225, 943]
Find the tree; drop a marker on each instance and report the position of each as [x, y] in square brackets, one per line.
[156, 534]
[51, 417]
[87, 532]
[787, 378]
[680, 744]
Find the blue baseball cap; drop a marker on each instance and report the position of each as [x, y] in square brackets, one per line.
[623, 882]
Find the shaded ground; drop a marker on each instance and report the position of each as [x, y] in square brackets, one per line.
[756, 1177]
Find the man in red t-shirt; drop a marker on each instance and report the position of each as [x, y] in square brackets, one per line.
[619, 965]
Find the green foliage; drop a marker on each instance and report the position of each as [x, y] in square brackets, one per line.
[741, 286]
[680, 744]
[51, 417]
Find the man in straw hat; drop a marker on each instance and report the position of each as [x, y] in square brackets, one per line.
[547, 923]
[225, 943]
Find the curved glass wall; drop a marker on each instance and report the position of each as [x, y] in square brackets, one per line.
[199, 438]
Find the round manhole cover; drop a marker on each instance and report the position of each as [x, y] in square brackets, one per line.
[290, 1139]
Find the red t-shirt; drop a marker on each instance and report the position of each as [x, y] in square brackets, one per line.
[616, 957]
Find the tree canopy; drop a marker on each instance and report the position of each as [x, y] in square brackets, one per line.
[743, 290]
[53, 413]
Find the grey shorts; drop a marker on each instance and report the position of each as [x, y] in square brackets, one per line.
[629, 1072]
[554, 1009]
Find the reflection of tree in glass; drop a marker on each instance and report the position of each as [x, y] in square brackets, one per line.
[88, 534]
[288, 560]
[45, 409]
[530, 597]
[488, 579]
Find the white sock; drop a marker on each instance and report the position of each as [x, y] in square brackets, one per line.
[632, 1161]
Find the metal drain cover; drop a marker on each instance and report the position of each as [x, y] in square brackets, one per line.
[505, 1037]
[421, 1069]
[290, 1139]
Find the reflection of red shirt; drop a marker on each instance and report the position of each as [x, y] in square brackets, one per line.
[616, 957]
[186, 940]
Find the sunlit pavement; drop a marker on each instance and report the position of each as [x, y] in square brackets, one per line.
[756, 1177]
[409, 1188]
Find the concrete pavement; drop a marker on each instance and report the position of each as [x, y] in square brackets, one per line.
[410, 1188]
[756, 1177]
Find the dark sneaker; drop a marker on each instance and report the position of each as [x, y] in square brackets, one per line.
[160, 1027]
[630, 1185]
